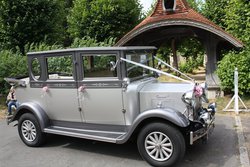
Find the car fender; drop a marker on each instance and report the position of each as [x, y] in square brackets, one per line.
[35, 109]
[168, 114]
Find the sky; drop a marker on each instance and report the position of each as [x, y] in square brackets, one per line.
[146, 4]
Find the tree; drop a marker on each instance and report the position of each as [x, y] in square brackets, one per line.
[215, 10]
[196, 4]
[101, 19]
[23, 22]
[237, 19]
[237, 22]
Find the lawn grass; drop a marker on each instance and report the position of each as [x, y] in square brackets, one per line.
[223, 101]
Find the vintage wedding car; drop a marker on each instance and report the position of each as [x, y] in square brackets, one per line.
[111, 94]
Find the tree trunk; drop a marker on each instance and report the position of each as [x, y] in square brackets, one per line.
[22, 49]
[173, 47]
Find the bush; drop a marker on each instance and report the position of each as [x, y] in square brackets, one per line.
[15, 64]
[191, 64]
[226, 68]
[42, 46]
[11, 65]
[91, 42]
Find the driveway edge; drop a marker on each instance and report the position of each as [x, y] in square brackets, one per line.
[244, 159]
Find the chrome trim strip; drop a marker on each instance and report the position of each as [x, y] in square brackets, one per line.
[85, 130]
[89, 126]
[191, 138]
[84, 136]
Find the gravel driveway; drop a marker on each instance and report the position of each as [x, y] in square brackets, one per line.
[220, 151]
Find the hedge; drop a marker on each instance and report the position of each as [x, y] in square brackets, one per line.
[226, 67]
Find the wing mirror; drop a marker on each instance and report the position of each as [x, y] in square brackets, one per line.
[113, 65]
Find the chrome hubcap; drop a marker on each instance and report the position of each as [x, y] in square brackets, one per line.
[28, 130]
[158, 146]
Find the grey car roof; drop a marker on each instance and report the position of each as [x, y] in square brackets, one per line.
[95, 49]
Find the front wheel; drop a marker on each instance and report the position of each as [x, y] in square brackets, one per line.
[29, 130]
[161, 144]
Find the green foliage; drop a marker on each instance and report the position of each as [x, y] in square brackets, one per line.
[41, 46]
[164, 51]
[101, 19]
[226, 68]
[24, 22]
[60, 65]
[11, 65]
[237, 19]
[92, 42]
[233, 17]
[191, 64]
[191, 47]
[215, 10]
[15, 65]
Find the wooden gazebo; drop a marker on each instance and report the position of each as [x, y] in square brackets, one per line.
[176, 19]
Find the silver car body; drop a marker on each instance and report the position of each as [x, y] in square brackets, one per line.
[108, 109]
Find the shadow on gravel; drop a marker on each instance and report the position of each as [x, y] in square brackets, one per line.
[221, 150]
[128, 150]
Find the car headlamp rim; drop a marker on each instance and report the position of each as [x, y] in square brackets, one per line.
[188, 98]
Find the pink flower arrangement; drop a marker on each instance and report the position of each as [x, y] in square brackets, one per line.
[45, 89]
[198, 91]
[81, 88]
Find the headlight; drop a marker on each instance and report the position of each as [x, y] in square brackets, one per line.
[212, 108]
[188, 98]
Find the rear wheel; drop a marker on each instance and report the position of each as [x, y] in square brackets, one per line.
[161, 144]
[29, 130]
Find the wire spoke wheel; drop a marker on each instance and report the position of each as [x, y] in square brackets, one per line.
[158, 146]
[28, 130]
[161, 144]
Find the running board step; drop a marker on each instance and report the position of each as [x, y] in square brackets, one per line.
[105, 136]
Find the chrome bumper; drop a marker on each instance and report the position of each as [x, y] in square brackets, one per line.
[203, 132]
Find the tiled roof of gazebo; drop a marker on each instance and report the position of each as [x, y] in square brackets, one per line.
[182, 15]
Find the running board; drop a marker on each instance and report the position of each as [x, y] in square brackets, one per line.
[105, 136]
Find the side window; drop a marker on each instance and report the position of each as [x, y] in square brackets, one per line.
[60, 67]
[99, 65]
[36, 69]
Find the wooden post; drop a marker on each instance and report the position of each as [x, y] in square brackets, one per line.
[236, 91]
[236, 96]
[173, 47]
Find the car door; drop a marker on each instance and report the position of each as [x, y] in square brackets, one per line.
[60, 88]
[101, 89]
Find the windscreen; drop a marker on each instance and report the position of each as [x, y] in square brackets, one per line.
[134, 71]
